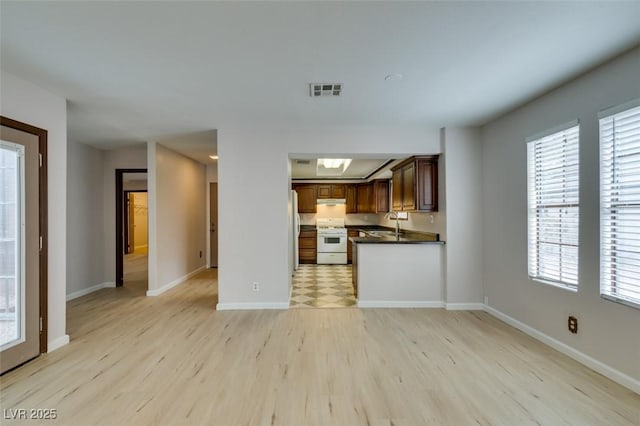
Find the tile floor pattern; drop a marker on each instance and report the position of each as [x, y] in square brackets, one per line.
[322, 286]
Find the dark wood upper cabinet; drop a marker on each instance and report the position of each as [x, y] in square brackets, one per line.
[365, 194]
[351, 194]
[396, 190]
[337, 191]
[409, 187]
[427, 185]
[324, 191]
[373, 197]
[307, 197]
[381, 195]
[415, 184]
[331, 191]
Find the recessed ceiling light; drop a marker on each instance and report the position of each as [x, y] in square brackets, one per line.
[391, 77]
[213, 157]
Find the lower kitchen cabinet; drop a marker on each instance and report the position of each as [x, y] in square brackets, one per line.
[307, 246]
[354, 268]
[350, 233]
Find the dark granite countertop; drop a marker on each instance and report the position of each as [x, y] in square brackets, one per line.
[307, 227]
[382, 235]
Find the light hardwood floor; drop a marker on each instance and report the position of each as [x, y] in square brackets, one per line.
[173, 360]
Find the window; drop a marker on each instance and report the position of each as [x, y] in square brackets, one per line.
[553, 204]
[620, 204]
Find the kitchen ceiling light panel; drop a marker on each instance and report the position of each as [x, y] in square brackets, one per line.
[332, 166]
[325, 89]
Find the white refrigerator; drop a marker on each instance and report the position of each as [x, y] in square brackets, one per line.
[296, 230]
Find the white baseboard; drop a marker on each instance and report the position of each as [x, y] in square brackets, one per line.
[464, 306]
[246, 306]
[57, 343]
[88, 290]
[398, 304]
[140, 247]
[159, 291]
[607, 371]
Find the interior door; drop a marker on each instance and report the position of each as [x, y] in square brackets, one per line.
[19, 247]
[213, 223]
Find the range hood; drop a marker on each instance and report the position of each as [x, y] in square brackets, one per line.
[331, 201]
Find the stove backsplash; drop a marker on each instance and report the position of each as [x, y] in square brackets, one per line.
[350, 219]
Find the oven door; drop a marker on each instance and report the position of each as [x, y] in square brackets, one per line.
[332, 244]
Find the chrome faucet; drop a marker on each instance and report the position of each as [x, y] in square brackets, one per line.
[394, 215]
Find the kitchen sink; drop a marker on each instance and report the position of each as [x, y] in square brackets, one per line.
[380, 234]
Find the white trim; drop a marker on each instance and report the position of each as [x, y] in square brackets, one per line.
[398, 304]
[464, 306]
[251, 306]
[180, 280]
[88, 290]
[140, 247]
[57, 343]
[551, 131]
[598, 366]
[618, 108]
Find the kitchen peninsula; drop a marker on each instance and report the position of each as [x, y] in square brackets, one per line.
[403, 270]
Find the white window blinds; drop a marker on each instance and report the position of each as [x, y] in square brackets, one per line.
[620, 206]
[553, 204]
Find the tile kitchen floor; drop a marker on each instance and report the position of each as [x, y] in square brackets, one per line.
[322, 286]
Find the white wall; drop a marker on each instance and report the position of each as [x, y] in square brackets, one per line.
[253, 176]
[180, 211]
[413, 279]
[420, 222]
[25, 102]
[463, 194]
[608, 331]
[124, 158]
[85, 218]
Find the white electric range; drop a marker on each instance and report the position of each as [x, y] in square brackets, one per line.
[332, 241]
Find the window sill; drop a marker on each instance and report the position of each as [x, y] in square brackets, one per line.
[555, 284]
[620, 301]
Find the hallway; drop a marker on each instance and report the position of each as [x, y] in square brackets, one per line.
[136, 270]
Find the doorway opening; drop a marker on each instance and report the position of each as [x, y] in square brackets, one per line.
[132, 228]
[136, 242]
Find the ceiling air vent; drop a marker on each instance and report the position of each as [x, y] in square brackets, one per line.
[325, 89]
[303, 161]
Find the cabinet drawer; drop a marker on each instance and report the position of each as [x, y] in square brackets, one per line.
[307, 254]
[308, 234]
[307, 243]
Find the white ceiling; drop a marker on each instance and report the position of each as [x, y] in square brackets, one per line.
[359, 168]
[138, 71]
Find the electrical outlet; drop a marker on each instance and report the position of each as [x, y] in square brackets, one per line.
[573, 324]
[256, 286]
